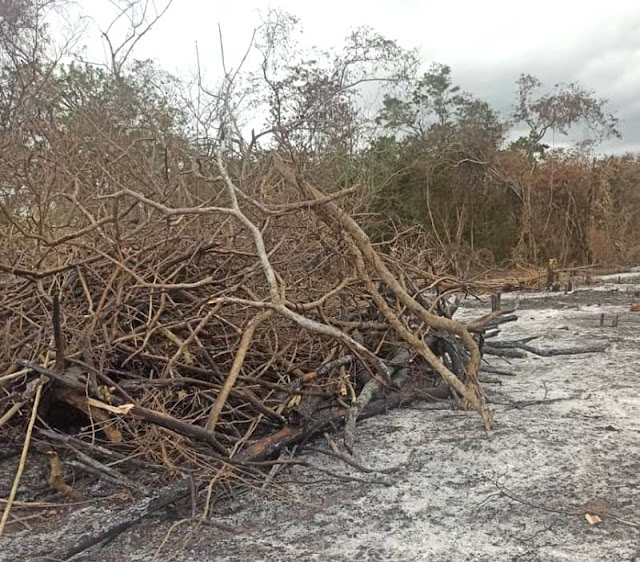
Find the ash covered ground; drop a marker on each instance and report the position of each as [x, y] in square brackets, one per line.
[566, 442]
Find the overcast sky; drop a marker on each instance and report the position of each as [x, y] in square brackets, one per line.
[488, 44]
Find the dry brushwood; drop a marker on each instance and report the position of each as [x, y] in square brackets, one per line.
[183, 310]
[210, 318]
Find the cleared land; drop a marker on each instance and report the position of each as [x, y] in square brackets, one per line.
[566, 442]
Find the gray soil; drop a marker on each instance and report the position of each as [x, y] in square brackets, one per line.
[566, 443]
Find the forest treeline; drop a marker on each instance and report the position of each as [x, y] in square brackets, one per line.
[476, 187]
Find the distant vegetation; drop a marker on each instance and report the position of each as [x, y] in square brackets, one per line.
[431, 157]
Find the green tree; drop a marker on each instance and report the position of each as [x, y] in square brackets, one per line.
[566, 106]
[446, 140]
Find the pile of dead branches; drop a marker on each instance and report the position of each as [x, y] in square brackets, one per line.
[200, 317]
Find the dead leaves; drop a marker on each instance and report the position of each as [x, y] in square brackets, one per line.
[56, 478]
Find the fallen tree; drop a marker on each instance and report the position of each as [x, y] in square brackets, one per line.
[209, 336]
